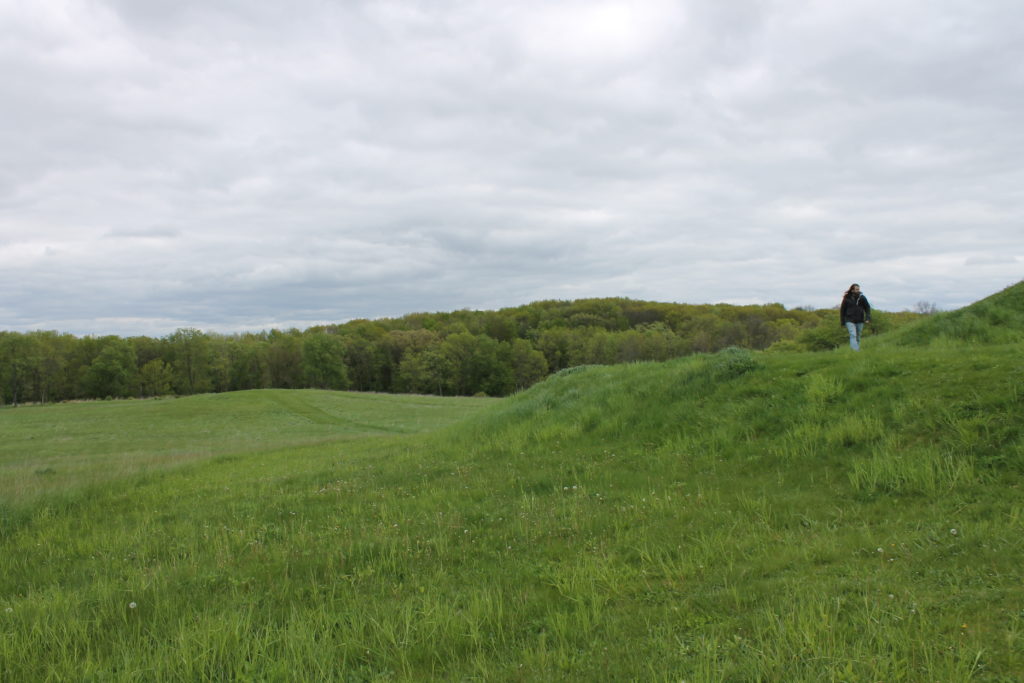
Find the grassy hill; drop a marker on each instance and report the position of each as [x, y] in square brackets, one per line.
[996, 319]
[737, 516]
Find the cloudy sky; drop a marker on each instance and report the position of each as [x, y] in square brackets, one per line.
[245, 164]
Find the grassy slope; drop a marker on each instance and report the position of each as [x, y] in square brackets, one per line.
[783, 516]
[996, 319]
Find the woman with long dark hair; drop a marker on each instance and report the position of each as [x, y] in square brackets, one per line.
[854, 313]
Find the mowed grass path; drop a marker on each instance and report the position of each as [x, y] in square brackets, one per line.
[732, 517]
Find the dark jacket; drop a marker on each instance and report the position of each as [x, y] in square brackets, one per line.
[854, 309]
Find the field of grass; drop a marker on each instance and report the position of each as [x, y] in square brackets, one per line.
[49, 449]
[728, 517]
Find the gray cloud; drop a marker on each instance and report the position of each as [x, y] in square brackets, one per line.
[238, 165]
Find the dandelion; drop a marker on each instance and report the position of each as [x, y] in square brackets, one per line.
[880, 550]
[132, 605]
[9, 610]
[954, 532]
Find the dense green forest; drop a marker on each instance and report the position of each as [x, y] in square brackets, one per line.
[458, 353]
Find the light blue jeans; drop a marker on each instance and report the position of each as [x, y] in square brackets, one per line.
[855, 329]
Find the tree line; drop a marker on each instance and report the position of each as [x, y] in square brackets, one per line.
[456, 353]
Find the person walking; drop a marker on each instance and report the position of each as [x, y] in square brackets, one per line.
[854, 313]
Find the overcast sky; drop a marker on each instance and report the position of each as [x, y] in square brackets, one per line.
[246, 164]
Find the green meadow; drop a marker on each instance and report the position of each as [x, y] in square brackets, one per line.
[736, 516]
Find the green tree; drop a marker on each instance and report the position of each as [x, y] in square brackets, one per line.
[602, 347]
[323, 361]
[658, 342]
[190, 351]
[248, 364]
[528, 364]
[148, 348]
[479, 364]
[498, 326]
[425, 372]
[50, 378]
[155, 378]
[366, 361]
[16, 358]
[396, 344]
[113, 372]
[218, 369]
[284, 359]
[554, 344]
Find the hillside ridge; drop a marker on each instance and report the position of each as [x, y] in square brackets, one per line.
[998, 318]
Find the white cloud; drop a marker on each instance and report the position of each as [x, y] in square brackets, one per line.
[225, 164]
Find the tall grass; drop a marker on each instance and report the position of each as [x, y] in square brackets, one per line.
[924, 470]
